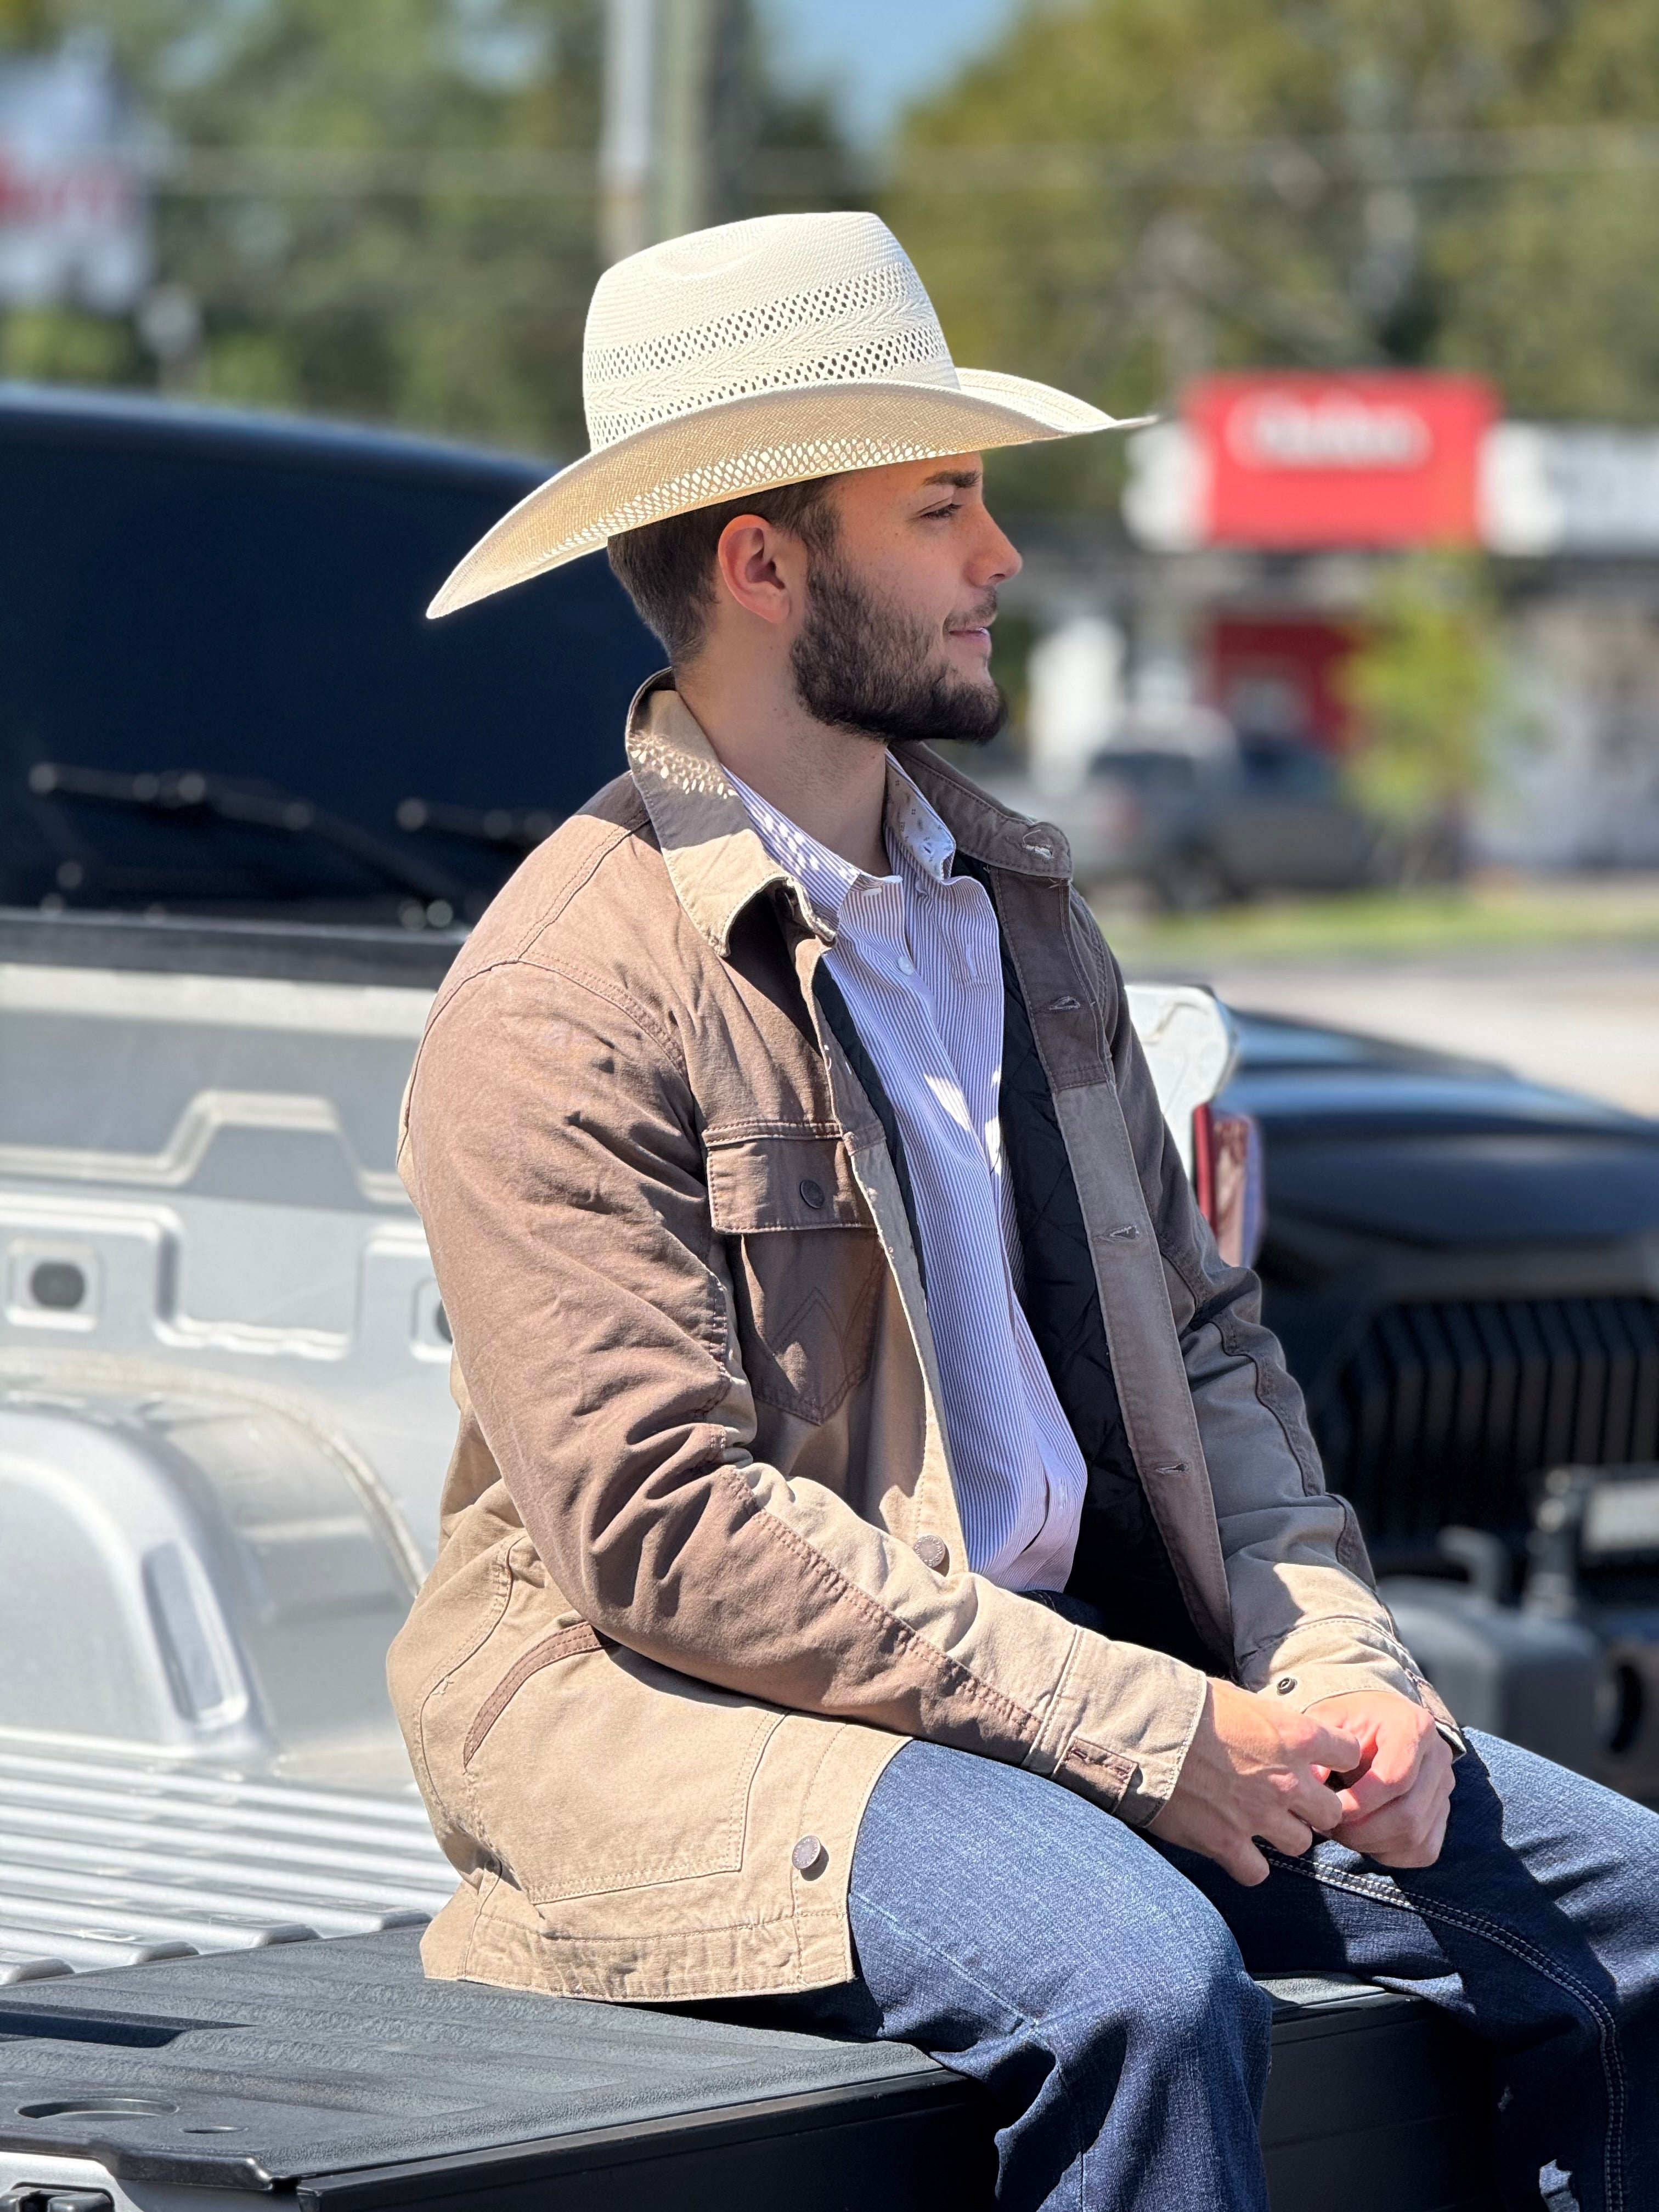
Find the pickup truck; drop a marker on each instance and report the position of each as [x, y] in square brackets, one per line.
[251, 802]
[224, 1416]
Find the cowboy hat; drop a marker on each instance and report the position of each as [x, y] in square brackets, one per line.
[758, 354]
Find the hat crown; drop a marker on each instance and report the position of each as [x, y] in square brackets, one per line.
[778, 301]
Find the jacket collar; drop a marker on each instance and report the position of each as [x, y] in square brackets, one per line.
[718, 865]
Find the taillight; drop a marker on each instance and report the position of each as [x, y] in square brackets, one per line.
[1229, 1179]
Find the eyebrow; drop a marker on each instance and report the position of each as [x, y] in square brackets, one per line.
[961, 479]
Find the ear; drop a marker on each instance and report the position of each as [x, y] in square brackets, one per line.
[762, 567]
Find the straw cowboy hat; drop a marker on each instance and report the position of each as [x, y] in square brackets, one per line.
[758, 354]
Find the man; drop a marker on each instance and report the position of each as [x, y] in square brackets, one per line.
[884, 1572]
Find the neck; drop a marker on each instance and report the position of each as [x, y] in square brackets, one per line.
[831, 783]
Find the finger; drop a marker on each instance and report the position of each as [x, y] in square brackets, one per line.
[1335, 1750]
[1421, 1848]
[1407, 1828]
[1365, 1797]
[1243, 1863]
[1436, 1836]
[1321, 1808]
[1400, 1748]
[1286, 1833]
[1392, 1777]
[1394, 1819]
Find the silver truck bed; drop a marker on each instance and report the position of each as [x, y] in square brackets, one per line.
[110, 1857]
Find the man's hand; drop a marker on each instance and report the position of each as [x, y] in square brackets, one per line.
[1395, 1799]
[1254, 1771]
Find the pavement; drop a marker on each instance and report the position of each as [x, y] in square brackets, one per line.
[1584, 1019]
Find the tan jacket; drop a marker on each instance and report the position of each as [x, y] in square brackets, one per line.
[700, 1570]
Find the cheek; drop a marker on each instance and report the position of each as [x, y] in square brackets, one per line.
[921, 579]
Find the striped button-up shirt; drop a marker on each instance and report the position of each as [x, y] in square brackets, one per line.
[917, 958]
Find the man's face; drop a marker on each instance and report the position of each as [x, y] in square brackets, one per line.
[895, 640]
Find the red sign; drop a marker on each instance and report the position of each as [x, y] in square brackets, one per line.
[1372, 458]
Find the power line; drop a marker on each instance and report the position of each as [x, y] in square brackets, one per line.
[1294, 167]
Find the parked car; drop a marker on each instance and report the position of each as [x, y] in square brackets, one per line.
[1463, 1269]
[1184, 809]
[224, 1416]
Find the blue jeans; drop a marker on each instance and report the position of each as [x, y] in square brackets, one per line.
[1099, 1984]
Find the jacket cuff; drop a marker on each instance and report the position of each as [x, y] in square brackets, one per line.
[1342, 1657]
[1120, 1726]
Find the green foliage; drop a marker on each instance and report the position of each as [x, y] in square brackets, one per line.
[1496, 914]
[1425, 685]
[1261, 191]
[339, 264]
[1328, 182]
[423, 301]
[23, 23]
[364, 245]
[58, 345]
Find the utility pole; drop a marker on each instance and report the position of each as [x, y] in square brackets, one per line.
[686, 123]
[675, 76]
[628, 137]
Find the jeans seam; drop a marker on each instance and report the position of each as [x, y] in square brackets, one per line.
[1029, 2021]
[936, 1951]
[1383, 1892]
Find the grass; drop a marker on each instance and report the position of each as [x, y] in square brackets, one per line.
[1495, 912]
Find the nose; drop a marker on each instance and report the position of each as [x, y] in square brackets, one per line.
[996, 557]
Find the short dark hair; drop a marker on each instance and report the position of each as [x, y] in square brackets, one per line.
[667, 568]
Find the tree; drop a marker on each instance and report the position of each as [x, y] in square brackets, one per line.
[385, 209]
[1125, 192]
[1425, 683]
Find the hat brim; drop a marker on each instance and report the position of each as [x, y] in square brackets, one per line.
[753, 444]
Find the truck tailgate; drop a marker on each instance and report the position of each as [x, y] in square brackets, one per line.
[333, 2075]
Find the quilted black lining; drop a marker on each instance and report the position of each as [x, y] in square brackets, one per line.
[839, 1015]
[1122, 1565]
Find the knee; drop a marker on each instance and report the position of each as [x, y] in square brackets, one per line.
[1175, 1980]
[1200, 1989]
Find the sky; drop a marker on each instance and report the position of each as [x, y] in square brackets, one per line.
[876, 54]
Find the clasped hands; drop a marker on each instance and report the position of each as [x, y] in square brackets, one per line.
[1368, 1768]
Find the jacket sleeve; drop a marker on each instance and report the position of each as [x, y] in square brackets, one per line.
[1307, 1619]
[553, 1146]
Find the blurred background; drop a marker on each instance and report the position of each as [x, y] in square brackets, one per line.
[1344, 679]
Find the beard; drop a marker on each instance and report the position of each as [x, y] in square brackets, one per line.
[859, 665]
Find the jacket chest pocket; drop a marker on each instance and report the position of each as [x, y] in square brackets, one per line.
[807, 1267]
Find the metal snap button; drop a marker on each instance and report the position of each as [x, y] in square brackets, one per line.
[808, 1855]
[1285, 1684]
[813, 1193]
[934, 1551]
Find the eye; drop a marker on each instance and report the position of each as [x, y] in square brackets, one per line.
[937, 513]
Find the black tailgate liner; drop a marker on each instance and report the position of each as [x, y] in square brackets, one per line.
[335, 2071]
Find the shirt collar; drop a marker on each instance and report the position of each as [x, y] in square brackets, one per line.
[924, 844]
[717, 863]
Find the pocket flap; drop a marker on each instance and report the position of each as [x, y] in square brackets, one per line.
[799, 1179]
